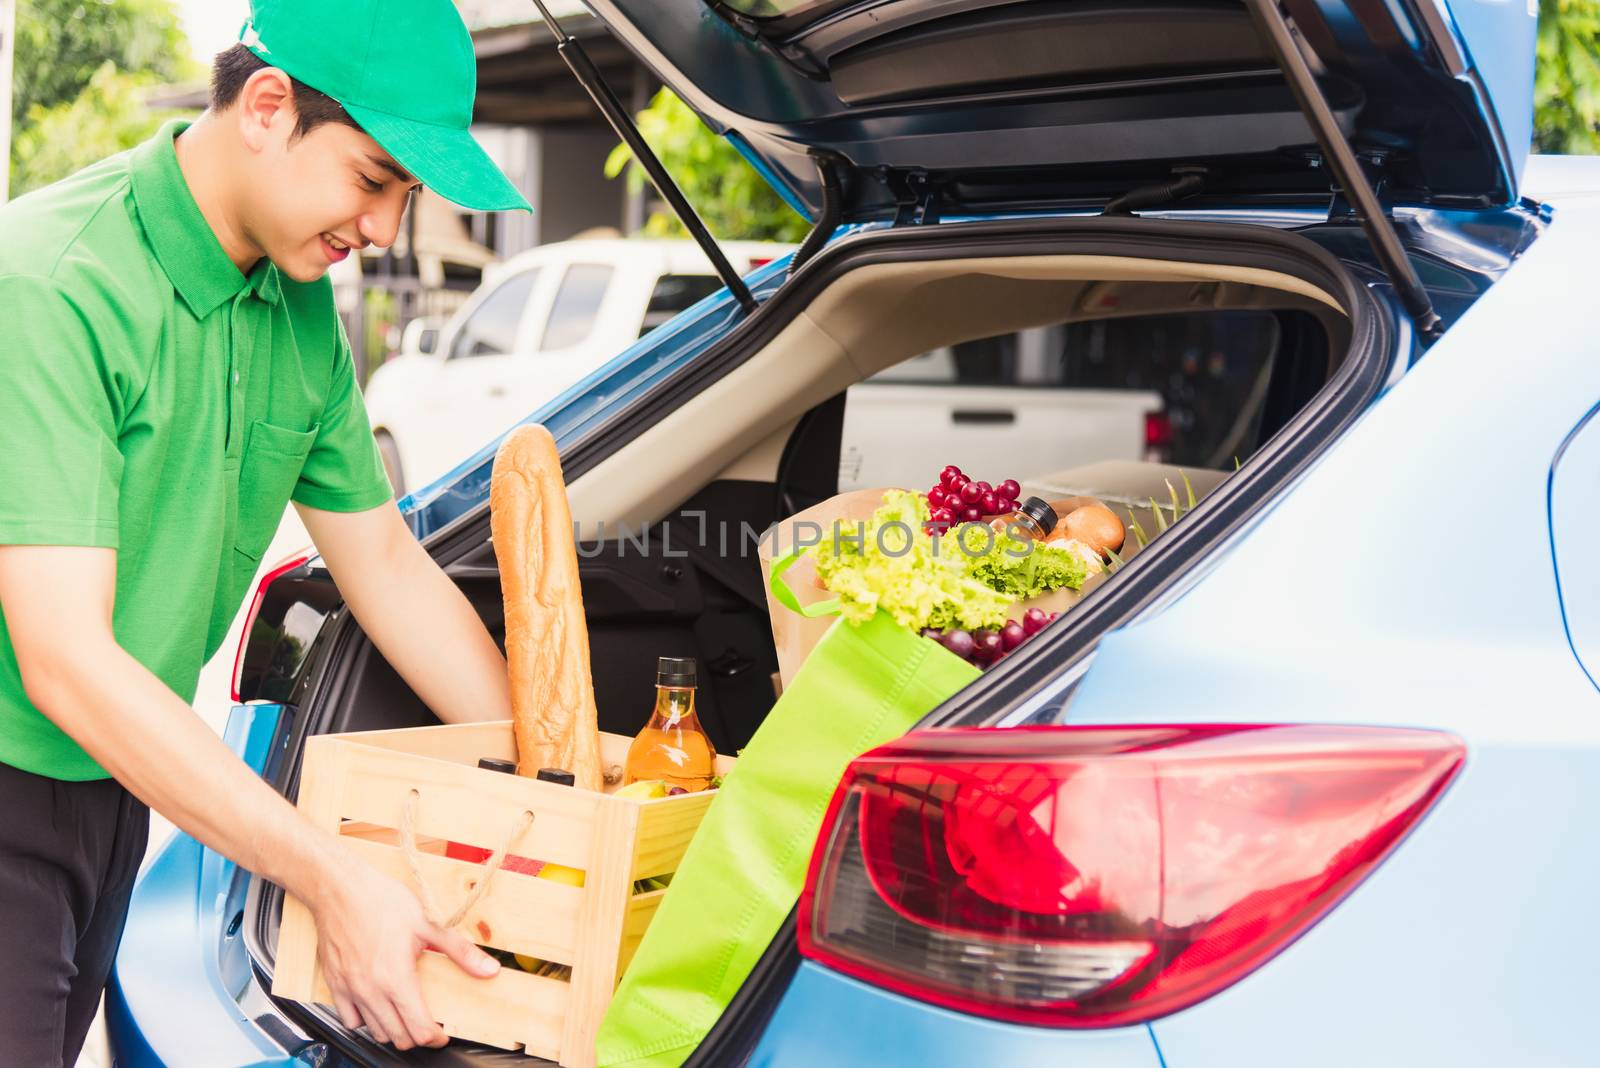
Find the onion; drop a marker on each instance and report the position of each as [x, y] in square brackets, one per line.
[1095, 525]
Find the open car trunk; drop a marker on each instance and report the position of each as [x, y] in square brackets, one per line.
[672, 491]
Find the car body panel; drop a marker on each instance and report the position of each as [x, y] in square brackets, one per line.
[1438, 608]
[1452, 455]
[172, 995]
[1120, 95]
[828, 1018]
[1499, 36]
[1574, 514]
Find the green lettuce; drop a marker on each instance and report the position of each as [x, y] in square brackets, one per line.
[1021, 567]
[891, 562]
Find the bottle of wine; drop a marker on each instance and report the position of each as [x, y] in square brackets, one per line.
[673, 747]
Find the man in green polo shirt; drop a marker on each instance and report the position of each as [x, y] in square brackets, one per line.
[172, 374]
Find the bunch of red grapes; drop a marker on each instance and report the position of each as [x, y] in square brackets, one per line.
[958, 499]
[985, 648]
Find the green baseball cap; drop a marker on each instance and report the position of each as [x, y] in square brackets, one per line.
[404, 70]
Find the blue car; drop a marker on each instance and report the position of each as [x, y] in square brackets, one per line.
[1313, 778]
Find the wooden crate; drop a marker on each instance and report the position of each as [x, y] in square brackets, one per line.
[356, 785]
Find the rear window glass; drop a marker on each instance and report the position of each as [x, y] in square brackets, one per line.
[577, 305]
[491, 329]
[675, 293]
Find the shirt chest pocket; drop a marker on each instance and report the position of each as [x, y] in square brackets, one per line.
[273, 459]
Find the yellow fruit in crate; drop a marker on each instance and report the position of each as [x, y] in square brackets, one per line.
[556, 873]
[644, 789]
[560, 874]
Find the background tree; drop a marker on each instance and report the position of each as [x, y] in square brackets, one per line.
[734, 200]
[1566, 114]
[82, 67]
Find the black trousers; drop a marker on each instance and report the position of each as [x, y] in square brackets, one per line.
[69, 852]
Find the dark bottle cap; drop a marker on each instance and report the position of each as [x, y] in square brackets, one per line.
[496, 764]
[1039, 510]
[675, 671]
[559, 776]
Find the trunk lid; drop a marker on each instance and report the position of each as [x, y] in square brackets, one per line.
[995, 105]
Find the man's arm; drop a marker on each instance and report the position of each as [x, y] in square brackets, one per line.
[58, 608]
[418, 619]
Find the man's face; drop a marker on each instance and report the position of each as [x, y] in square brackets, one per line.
[315, 200]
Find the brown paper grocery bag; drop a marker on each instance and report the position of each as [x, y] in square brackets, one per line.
[793, 634]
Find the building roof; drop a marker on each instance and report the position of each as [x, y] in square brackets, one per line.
[521, 79]
[484, 14]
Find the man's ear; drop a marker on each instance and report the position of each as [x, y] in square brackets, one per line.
[266, 108]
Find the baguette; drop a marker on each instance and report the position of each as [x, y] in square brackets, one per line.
[547, 639]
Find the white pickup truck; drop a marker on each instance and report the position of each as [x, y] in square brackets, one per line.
[996, 407]
[540, 321]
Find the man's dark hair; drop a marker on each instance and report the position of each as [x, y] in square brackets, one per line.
[233, 68]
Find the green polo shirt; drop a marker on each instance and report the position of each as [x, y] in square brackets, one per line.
[155, 401]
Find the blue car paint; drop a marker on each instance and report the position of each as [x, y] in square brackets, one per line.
[740, 79]
[169, 1002]
[1437, 607]
[768, 175]
[1498, 37]
[828, 1018]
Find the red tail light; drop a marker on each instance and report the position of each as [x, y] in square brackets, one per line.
[758, 261]
[268, 579]
[1103, 876]
[1157, 435]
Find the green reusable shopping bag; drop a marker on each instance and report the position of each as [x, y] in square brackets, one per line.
[860, 687]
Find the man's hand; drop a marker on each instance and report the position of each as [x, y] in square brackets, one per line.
[58, 608]
[370, 930]
[421, 623]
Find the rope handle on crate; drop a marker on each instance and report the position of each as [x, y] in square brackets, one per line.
[408, 845]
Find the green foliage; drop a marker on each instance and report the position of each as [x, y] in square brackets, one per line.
[82, 67]
[1178, 508]
[734, 200]
[105, 118]
[1566, 113]
[61, 44]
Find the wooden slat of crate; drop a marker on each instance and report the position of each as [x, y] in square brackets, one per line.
[459, 743]
[641, 910]
[607, 889]
[512, 1009]
[467, 804]
[665, 828]
[520, 913]
[613, 749]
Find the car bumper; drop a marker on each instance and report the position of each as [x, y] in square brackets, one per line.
[828, 1018]
[182, 991]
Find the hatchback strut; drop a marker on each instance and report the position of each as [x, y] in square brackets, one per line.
[1342, 158]
[588, 75]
